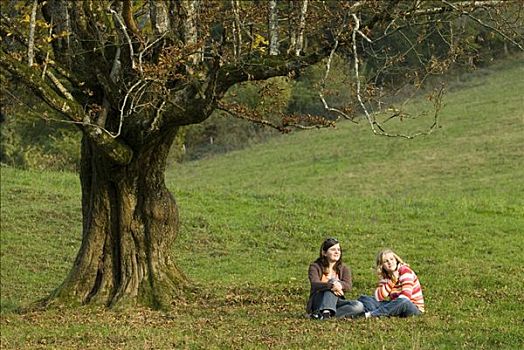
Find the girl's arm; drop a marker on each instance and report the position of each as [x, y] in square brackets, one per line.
[345, 278]
[384, 288]
[314, 274]
[407, 281]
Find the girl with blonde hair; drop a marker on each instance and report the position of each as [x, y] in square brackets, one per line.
[398, 293]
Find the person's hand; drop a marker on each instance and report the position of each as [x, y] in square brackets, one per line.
[339, 293]
[394, 276]
[336, 288]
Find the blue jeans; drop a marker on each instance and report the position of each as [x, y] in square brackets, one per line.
[340, 307]
[401, 307]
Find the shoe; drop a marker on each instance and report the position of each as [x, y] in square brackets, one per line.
[315, 316]
[326, 314]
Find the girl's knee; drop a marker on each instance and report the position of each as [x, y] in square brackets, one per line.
[364, 298]
[404, 301]
[359, 307]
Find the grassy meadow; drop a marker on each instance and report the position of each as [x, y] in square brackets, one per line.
[451, 204]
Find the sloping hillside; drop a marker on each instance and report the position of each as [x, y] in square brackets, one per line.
[451, 204]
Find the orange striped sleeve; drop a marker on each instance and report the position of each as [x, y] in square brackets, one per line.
[384, 289]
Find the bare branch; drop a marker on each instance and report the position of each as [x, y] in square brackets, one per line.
[238, 111]
[141, 54]
[273, 28]
[127, 15]
[479, 21]
[122, 108]
[237, 29]
[441, 9]
[32, 112]
[314, 122]
[120, 21]
[60, 86]
[375, 126]
[323, 85]
[301, 28]
[106, 105]
[289, 121]
[156, 122]
[31, 41]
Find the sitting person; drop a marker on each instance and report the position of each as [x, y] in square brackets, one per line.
[398, 293]
[330, 279]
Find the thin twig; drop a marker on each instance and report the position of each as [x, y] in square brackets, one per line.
[33, 112]
[372, 122]
[60, 86]
[46, 60]
[323, 85]
[479, 21]
[145, 49]
[156, 121]
[122, 109]
[126, 34]
[253, 120]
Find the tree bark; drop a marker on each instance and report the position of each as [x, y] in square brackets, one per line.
[190, 10]
[301, 28]
[159, 16]
[237, 29]
[273, 28]
[31, 40]
[130, 221]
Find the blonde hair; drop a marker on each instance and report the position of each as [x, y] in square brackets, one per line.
[379, 261]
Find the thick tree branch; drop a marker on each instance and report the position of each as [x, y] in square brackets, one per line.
[265, 68]
[127, 14]
[463, 4]
[221, 78]
[296, 121]
[112, 148]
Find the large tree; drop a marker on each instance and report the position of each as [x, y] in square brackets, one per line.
[129, 74]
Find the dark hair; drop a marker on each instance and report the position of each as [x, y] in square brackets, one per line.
[322, 260]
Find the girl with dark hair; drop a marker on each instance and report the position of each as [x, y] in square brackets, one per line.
[330, 279]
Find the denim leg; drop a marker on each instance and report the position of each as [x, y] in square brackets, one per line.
[401, 307]
[325, 300]
[370, 303]
[349, 308]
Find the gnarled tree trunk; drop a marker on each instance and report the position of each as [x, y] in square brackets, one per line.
[130, 221]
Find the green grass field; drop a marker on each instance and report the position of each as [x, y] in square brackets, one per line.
[451, 204]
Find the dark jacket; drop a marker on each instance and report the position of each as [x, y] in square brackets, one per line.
[315, 276]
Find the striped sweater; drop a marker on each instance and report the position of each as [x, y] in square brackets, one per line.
[407, 286]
